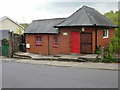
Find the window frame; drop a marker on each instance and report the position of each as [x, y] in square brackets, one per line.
[40, 36]
[54, 41]
[105, 33]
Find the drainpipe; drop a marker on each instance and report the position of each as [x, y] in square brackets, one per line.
[96, 37]
[48, 46]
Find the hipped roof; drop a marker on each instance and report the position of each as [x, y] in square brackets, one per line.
[44, 26]
[86, 16]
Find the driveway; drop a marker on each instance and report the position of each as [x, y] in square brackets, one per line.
[19, 75]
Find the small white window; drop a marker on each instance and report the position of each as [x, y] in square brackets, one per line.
[105, 33]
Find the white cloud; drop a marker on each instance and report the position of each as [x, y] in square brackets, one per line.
[104, 7]
[28, 10]
[20, 9]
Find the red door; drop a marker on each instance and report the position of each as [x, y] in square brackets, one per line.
[75, 42]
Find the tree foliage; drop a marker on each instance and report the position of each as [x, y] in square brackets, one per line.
[25, 25]
[20, 30]
[115, 18]
[114, 46]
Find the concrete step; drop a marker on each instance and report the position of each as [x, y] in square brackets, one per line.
[60, 57]
[85, 59]
[45, 58]
[21, 57]
[82, 60]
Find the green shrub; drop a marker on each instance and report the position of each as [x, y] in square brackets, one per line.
[109, 56]
[109, 52]
[98, 50]
[96, 60]
[114, 45]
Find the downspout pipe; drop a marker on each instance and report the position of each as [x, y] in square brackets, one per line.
[48, 45]
[96, 32]
[96, 35]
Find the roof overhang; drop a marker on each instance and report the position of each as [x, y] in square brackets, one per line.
[42, 33]
[87, 26]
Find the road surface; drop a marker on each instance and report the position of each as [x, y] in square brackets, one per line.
[19, 75]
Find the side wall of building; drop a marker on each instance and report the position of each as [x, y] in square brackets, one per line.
[64, 46]
[103, 42]
[64, 41]
[9, 25]
[38, 49]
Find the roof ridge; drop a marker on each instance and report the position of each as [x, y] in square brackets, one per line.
[92, 22]
[108, 20]
[48, 19]
[83, 7]
[72, 15]
[100, 14]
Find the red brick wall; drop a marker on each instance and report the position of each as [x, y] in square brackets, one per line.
[43, 49]
[104, 41]
[64, 46]
[64, 41]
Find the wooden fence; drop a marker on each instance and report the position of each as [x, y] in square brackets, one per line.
[15, 44]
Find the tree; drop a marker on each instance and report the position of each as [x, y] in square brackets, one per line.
[112, 16]
[115, 18]
[114, 45]
[25, 25]
[20, 30]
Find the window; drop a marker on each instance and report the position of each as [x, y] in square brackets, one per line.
[56, 41]
[38, 40]
[105, 33]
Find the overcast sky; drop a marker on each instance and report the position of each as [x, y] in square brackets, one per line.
[24, 11]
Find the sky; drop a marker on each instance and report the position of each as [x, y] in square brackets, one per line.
[24, 11]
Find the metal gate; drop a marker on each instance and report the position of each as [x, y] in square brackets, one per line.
[86, 42]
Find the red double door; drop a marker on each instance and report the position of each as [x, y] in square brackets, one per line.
[75, 42]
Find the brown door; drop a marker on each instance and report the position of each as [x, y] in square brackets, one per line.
[86, 42]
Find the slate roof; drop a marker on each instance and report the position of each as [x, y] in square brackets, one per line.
[44, 26]
[86, 16]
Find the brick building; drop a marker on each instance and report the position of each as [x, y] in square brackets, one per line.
[81, 32]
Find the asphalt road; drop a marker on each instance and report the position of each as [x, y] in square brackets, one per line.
[0, 74]
[18, 75]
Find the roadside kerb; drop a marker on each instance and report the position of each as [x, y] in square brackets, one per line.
[90, 65]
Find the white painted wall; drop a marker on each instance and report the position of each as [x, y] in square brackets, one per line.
[9, 25]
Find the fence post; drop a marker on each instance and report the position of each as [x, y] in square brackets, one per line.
[10, 51]
[102, 53]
